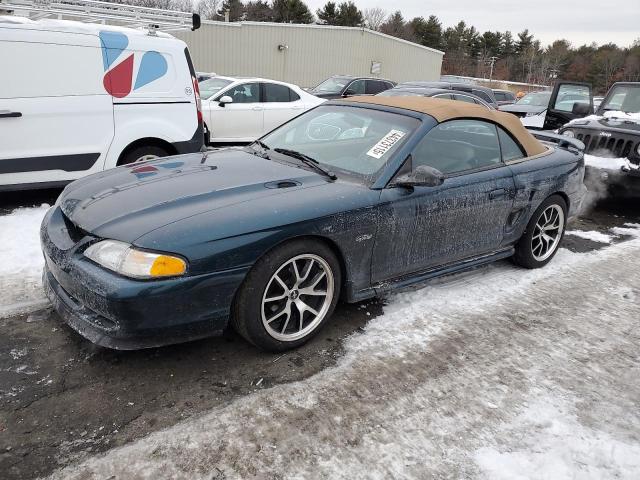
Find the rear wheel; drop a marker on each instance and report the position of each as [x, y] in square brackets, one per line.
[142, 154]
[288, 296]
[540, 241]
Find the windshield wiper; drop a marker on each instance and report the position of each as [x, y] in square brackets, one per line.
[307, 160]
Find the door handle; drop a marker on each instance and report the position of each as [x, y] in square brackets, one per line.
[257, 109]
[8, 114]
[498, 193]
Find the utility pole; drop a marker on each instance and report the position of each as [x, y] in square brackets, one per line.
[493, 62]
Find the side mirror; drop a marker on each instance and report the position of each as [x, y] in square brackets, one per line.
[581, 109]
[422, 176]
[348, 93]
[224, 100]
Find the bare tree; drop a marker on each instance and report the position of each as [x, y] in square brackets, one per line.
[208, 9]
[374, 17]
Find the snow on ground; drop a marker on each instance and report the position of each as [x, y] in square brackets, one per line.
[22, 261]
[592, 235]
[499, 373]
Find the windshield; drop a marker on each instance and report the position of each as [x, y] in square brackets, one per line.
[208, 88]
[540, 99]
[624, 98]
[332, 85]
[353, 141]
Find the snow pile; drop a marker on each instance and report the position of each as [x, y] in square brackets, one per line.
[447, 383]
[21, 261]
[592, 235]
[557, 446]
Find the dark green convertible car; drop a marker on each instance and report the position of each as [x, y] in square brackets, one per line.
[350, 200]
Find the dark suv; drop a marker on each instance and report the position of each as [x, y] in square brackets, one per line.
[614, 130]
[340, 86]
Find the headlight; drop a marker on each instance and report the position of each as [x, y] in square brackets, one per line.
[126, 260]
[569, 133]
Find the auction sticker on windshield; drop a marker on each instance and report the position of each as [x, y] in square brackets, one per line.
[385, 144]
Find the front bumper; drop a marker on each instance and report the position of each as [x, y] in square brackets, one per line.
[122, 313]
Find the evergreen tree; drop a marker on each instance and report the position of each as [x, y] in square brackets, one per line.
[328, 14]
[349, 15]
[291, 11]
[258, 11]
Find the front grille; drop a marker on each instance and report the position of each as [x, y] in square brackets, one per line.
[614, 146]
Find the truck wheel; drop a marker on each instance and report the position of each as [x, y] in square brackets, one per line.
[287, 296]
[143, 153]
[541, 239]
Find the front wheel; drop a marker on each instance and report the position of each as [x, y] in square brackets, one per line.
[543, 234]
[288, 295]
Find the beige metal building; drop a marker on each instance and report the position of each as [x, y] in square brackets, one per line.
[307, 54]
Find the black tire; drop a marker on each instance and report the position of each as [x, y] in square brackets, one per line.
[247, 308]
[524, 255]
[135, 154]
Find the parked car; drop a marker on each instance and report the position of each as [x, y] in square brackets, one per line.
[504, 97]
[614, 130]
[435, 93]
[340, 86]
[551, 110]
[531, 104]
[243, 109]
[484, 93]
[78, 98]
[349, 200]
[202, 76]
[596, 103]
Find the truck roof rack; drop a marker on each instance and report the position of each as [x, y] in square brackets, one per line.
[153, 19]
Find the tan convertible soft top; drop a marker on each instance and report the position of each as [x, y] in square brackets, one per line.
[443, 110]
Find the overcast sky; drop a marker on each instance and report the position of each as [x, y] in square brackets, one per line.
[579, 21]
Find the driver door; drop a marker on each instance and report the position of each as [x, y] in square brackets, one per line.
[569, 100]
[424, 228]
[240, 120]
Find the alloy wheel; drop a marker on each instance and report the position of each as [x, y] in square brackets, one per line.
[547, 232]
[297, 297]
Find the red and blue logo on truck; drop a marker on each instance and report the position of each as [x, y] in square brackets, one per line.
[118, 79]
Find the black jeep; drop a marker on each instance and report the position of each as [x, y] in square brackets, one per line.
[614, 130]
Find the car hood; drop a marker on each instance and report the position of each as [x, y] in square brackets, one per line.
[611, 121]
[128, 202]
[521, 108]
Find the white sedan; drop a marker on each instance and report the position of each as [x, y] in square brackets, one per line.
[243, 109]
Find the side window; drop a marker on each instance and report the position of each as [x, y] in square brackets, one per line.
[510, 149]
[483, 95]
[356, 87]
[568, 95]
[375, 86]
[245, 93]
[463, 98]
[457, 146]
[500, 96]
[279, 93]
